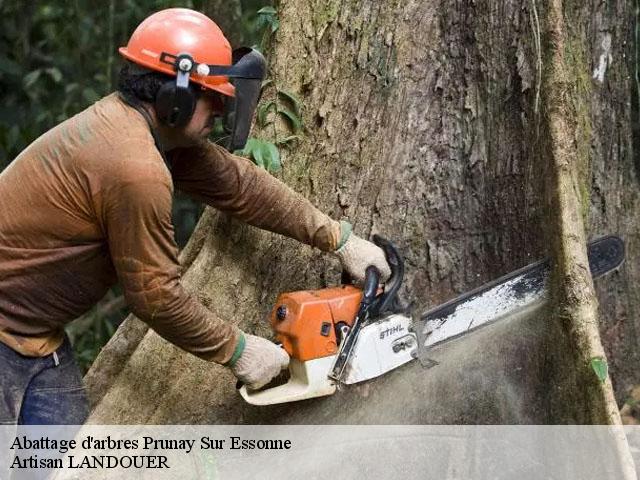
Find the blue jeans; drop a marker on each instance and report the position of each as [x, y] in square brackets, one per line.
[43, 390]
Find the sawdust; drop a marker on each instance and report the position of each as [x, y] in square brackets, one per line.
[493, 375]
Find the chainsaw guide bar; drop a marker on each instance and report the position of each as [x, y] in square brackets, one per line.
[515, 292]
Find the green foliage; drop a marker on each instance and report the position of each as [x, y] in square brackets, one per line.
[292, 99]
[286, 105]
[296, 122]
[268, 17]
[599, 365]
[264, 154]
[267, 11]
[262, 111]
[266, 24]
[282, 104]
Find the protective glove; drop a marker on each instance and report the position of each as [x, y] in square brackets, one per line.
[356, 254]
[259, 363]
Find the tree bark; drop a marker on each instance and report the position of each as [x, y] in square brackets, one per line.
[430, 123]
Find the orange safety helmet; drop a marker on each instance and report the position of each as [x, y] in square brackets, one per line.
[190, 46]
[180, 30]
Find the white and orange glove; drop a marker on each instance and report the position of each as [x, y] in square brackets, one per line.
[356, 254]
[259, 363]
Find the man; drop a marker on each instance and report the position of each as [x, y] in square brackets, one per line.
[89, 203]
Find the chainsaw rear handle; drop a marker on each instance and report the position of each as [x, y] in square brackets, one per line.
[392, 286]
[370, 287]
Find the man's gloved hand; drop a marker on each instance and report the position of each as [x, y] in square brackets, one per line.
[356, 254]
[260, 362]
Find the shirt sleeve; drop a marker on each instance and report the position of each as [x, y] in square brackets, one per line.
[234, 184]
[136, 214]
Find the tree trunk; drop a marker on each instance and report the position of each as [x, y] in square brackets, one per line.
[431, 123]
[228, 15]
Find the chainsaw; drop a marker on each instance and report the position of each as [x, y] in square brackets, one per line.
[347, 334]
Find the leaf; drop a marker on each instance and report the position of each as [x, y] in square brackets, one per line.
[267, 11]
[258, 157]
[261, 22]
[264, 154]
[601, 368]
[270, 21]
[55, 74]
[31, 78]
[272, 157]
[296, 123]
[295, 101]
[263, 111]
[266, 83]
[268, 16]
[249, 147]
[275, 24]
[253, 150]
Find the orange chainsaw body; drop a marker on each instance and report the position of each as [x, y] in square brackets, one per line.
[304, 321]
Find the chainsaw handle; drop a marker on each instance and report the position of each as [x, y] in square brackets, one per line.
[386, 300]
[392, 286]
[370, 287]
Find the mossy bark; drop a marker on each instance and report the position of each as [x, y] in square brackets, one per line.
[574, 301]
[425, 122]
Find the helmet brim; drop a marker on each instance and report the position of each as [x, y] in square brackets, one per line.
[226, 88]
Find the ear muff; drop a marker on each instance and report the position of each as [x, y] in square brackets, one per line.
[175, 104]
[247, 72]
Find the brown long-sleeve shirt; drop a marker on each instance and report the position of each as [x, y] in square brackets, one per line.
[89, 203]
